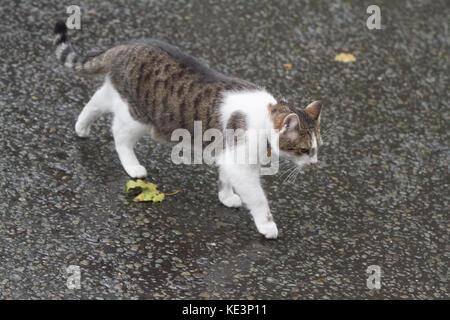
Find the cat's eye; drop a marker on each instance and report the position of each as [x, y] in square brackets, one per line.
[304, 150]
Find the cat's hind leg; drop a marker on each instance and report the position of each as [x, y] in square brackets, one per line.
[127, 133]
[96, 106]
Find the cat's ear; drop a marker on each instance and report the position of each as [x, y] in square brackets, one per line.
[314, 109]
[290, 125]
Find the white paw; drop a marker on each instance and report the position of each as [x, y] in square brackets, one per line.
[268, 229]
[232, 201]
[136, 171]
[82, 131]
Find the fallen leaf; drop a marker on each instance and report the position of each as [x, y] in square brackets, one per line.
[288, 65]
[149, 191]
[345, 57]
[140, 184]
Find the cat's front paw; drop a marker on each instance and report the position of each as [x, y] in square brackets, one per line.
[136, 171]
[82, 131]
[268, 229]
[231, 201]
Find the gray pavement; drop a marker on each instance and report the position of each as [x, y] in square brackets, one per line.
[379, 197]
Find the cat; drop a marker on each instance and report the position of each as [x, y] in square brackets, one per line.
[152, 87]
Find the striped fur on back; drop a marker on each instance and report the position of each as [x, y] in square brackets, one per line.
[163, 86]
[170, 90]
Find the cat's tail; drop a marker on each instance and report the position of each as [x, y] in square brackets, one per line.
[92, 65]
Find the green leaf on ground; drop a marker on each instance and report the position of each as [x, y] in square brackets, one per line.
[149, 191]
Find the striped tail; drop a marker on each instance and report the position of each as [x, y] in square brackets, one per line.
[63, 48]
[92, 64]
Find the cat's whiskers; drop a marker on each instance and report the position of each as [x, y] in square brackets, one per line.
[298, 172]
[287, 172]
[288, 179]
[290, 171]
[292, 175]
[288, 167]
[288, 176]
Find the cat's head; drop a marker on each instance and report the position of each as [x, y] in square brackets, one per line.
[299, 138]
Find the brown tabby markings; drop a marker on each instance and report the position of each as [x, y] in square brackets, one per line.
[169, 90]
[237, 120]
[307, 127]
[238, 123]
[166, 89]
[278, 112]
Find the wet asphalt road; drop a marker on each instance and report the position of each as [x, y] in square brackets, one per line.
[379, 197]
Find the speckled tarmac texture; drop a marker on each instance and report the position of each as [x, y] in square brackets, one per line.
[379, 197]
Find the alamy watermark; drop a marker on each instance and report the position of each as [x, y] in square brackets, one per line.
[374, 279]
[237, 147]
[74, 277]
[74, 20]
[374, 21]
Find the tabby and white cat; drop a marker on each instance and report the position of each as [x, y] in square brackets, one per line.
[152, 87]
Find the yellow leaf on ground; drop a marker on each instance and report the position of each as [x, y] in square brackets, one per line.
[345, 57]
[149, 192]
[288, 65]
